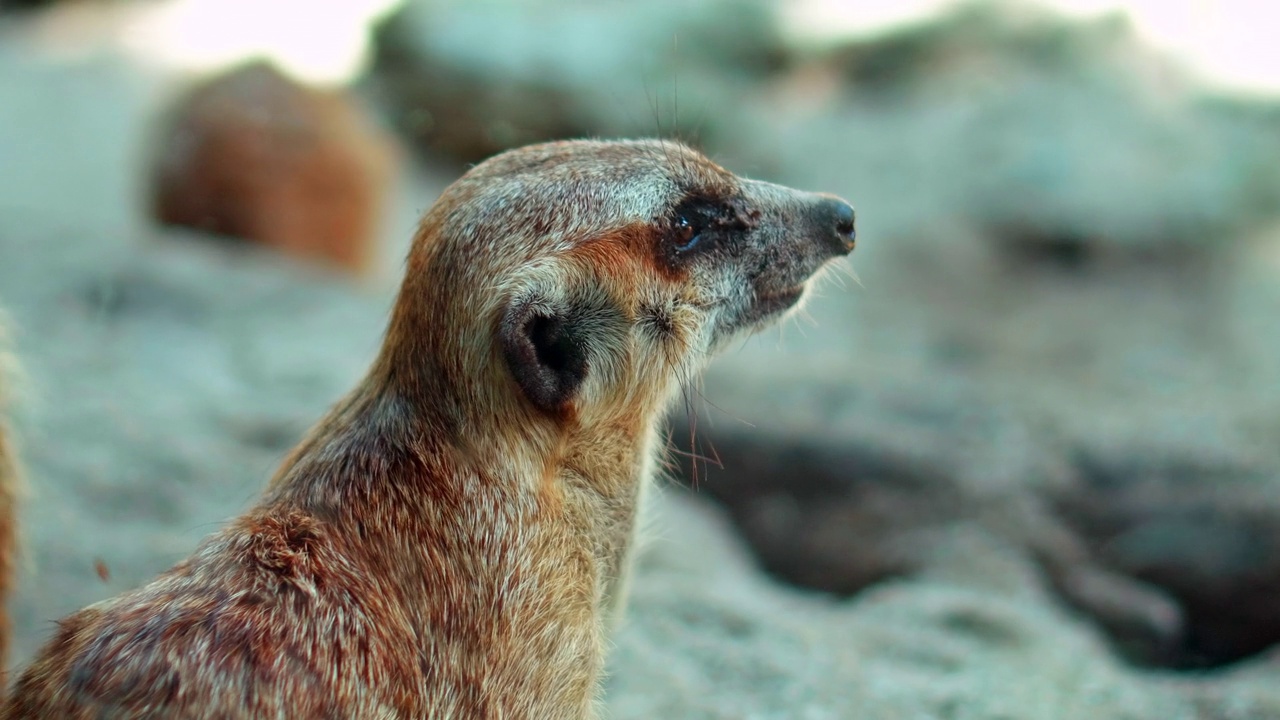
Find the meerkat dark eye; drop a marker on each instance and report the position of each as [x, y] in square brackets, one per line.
[687, 234]
[697, 225]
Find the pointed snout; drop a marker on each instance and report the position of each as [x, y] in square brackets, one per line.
[793, 235]
[838, 217]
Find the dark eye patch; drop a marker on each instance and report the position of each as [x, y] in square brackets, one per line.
[696, 222]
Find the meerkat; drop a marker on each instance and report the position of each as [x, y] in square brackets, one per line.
[452, 539]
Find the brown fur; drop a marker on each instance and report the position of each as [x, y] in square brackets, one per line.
[452, 540]
[9, 487]
[254, 155]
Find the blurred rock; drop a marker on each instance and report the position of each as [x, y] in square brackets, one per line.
[955, 389]
[1187, 505]
[981, 44]
[1086, 174]
[1070, 141]
[24, 4]
[853, 484]
[254, 155]
[470, 79]
[973, 636]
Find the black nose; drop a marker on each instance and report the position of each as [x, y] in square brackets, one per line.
[842, 215]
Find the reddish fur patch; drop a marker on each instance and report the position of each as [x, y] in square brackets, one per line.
[626, 258]
[283, 544]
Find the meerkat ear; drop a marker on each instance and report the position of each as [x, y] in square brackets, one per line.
[546, 352]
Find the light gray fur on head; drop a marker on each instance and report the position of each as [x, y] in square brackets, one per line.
[531, 227]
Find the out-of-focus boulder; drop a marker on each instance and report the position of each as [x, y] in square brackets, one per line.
[254, 155]
[979, 45]
[1158, 520]
[24, 4]
[1068, 140]
[849, 485]
[972, 636]
[470, 79]
[1186, 502]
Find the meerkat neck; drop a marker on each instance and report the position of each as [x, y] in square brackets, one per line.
[519, 569]
[376, 451]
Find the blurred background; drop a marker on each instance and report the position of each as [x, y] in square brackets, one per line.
[1027, 465]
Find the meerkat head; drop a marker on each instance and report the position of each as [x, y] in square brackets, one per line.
[582, 282]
